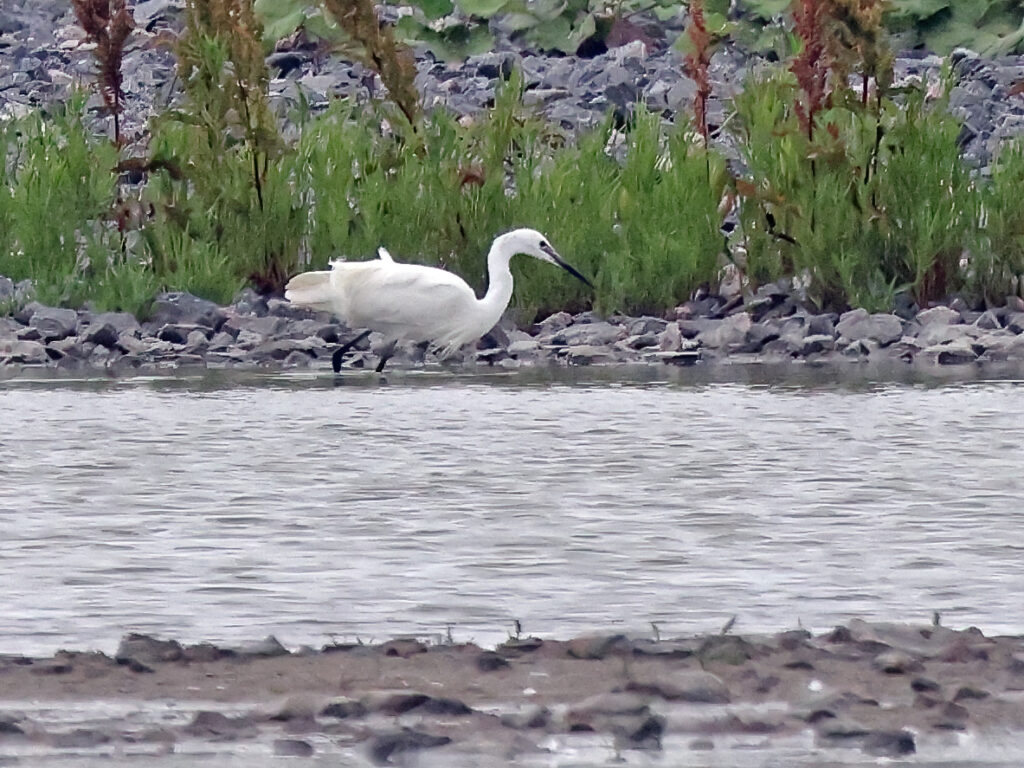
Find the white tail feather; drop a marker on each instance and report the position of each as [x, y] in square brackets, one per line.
[384, 255]
[310, 289]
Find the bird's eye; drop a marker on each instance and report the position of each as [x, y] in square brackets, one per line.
[544, 244]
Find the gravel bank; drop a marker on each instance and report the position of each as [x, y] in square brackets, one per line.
[885, 690]
[258, 333]
[42, 53]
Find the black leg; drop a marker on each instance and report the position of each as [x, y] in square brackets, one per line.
[340, 351]
[385, 355]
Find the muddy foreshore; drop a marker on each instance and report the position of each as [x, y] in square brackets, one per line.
[884, 690]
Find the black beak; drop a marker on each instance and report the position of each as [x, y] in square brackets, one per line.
[568, 268]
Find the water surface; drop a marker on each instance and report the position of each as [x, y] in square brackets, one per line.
[314, 508]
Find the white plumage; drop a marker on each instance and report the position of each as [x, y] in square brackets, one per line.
[417, 303]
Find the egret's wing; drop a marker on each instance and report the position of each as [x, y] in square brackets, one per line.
[409, 301]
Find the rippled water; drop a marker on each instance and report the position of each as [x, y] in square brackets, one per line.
[225, 510]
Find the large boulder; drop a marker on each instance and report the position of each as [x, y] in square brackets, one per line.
[54, 322]
[181, 308]
[860, 325]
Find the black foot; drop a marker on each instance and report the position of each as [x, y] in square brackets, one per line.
[339, 353]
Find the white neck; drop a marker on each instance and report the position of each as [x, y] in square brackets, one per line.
[499, 284]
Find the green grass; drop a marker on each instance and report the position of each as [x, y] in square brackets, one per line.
[638, 211]
[878, 202]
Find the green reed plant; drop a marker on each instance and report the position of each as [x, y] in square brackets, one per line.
[996, 266]
[862, 197]
[57, 191]
[641, 218]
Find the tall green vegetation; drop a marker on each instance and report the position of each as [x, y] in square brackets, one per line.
[56, 191]
[858, 194]
[855, 191]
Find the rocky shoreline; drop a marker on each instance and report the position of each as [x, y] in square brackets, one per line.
[883, 690]
[258, 333]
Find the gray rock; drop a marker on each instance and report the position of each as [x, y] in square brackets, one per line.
[179, 333]
[282, 348]
[728, 332]
[585, 354]
[671, 339]
[103, 334]
[25, 352]
[293, 748]
[939, 315]
[1015, 322]
[216, 725]
[265, 326]
[344, 708]
[988, 321]
[387, 745]
[692, 685]
[589, 334]
[54, 322]
[641, 341]
[553, 323]
[147, 649]
[181, 308]
[821, 325]
[609, 704]
[122, 322]
[25, 312]
[268, 647]
[79, 738]
[859, 325]
[957, 352]
[532, 717]
[9, 327]
[816, 344]
[523, 348]
[896, 663]
[6, 288]
[889, 743]
[938, 333]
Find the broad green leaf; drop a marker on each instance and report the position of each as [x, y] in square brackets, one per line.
[434, 9]
[280, 17]
[482, 8]
[554, 35]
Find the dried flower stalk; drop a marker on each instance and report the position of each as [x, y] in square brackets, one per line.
[389, 59]
[107, 24]
[698, 63]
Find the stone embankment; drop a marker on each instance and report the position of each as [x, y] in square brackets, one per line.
[885, 690]
[256, 333]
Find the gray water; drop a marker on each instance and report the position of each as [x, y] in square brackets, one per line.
[313, 508]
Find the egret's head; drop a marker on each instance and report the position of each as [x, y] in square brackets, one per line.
[533, 243]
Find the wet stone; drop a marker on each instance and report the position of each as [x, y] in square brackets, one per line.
[293, 748]
[385, 746]
[53, 322]
[208, 724]
[79, 738]
[689, 685]
[181, 308]
[344, 708]
[889, 743]
[488, 661]
[597, 647]
[532, 717]
[147, 649]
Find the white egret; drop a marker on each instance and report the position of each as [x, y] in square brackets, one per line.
[417, 303]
